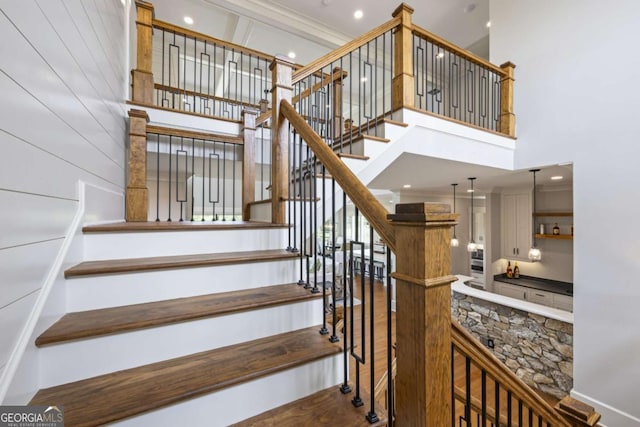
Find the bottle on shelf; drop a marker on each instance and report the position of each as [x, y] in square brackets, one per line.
[516, 271]
[556, 230]
[509, 270]
[541, 228]
[572, 229]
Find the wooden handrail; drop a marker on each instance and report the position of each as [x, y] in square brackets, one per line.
[186, 133]
[485, 360]
[328, 78]
[161, 25]
[338, 53]
[457, 49]
[359, 194]
[181, 91]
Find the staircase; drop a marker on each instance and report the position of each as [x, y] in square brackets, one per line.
[166, 326]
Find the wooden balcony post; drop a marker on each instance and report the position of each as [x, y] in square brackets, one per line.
[402, 86]
[507, 117]
[137, 200]
[281, 70]
[248, 162]
[142, 75]
[423, 318]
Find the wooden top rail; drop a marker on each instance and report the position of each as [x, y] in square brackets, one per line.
[194, 34]
[338, 53]
[190, 93]
[359, 194]
[328, 78]
[186, 133]
[458, 50]
[484, 359]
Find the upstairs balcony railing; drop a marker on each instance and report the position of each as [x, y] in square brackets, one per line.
[347, 92]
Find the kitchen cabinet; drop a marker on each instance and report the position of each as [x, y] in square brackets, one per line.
[516, 225]
[550, 299]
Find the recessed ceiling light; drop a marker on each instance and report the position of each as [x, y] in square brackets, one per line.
[188, 20]
[470, 191]
[292, 55]
[406, 186]
[557, 177]
[488, 24]
[358, 14]
[440, 55]
[363, 79]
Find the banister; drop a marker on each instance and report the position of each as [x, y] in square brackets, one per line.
[484, 359]
[417, 30]
[162, 25]
[359, 194]
[191, 93]
[336, 54]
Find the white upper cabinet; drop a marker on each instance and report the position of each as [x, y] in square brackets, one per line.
[516, 225]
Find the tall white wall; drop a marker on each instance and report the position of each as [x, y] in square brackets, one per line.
[62, 76]
[576, 99]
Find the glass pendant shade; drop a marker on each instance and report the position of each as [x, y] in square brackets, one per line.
[454, 240]
[534, 254]
[472, 246]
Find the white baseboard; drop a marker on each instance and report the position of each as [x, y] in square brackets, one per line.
[611, 417]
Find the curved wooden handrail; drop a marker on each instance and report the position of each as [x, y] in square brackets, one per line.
[458, 50]
[486, 361]
[162, 25]
[338, 53]
[359, 194]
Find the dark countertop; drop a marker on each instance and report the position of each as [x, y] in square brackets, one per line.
[548, 285]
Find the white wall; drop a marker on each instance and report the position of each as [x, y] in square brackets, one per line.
[62, 73]
[576, 99]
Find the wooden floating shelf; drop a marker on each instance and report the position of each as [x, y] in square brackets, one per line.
[554, 236]
[553, 214]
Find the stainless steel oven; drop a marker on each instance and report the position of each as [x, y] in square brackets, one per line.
[477, 267]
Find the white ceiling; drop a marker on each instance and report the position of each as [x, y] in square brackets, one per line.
[428, 175]
[320, 26]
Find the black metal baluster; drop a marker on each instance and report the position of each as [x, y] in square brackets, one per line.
[193, 173]
[158, 177]
[453, 388]
[334, 336]
[299, 200]
[304, 175]
[346, 292]
[484, 398]
[169, 194]
[390, 382]
[371, 416]
[314, 228]
[519, 412]
[233, 184]
[497, 402]
[204, 154]
[224, 179]
[467, 383]
[509, 412]
[360, 359]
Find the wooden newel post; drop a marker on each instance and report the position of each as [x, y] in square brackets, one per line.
[402, 86]
[507, 116]
[142, 75]
[281, 70]
[249, 162]
[137, 193]
[423, 317]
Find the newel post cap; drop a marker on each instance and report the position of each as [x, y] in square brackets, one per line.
[403, 7]
[424, 212]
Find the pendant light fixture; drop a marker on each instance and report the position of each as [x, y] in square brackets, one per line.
[471, 247]
[454, 240]
[534, 253]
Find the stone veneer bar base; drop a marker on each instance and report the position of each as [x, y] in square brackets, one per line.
[538, 349]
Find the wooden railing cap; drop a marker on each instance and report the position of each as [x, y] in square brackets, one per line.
[144, 4]
[401, 8]
[424, 212]
[508, 64]
[281, 59]
[139, 113]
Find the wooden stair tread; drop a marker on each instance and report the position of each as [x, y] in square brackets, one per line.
[176, 261]
[118, 395]
[178, 226]
[327, 407]
[353, 156]
[93, 323]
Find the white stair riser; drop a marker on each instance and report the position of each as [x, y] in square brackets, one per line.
[243, 401]
[76, 360]
[100, 246]
[112, 290]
